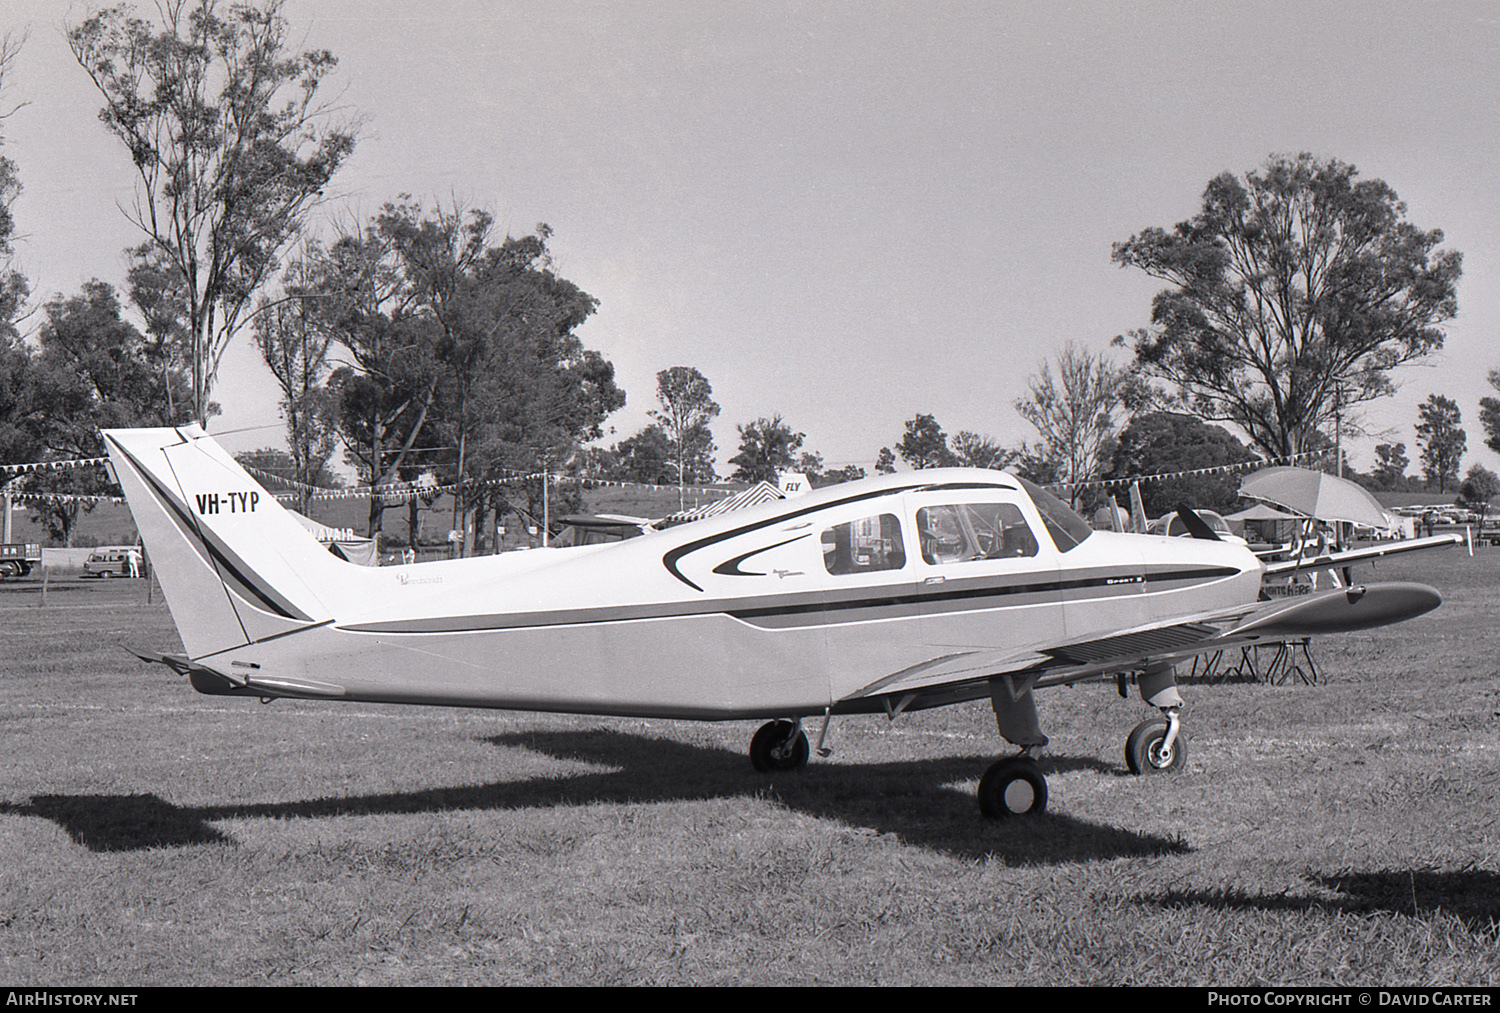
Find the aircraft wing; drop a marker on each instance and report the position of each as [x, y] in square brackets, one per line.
[1340, 610]
[1333, 560]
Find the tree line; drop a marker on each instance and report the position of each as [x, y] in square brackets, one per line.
[423, 344]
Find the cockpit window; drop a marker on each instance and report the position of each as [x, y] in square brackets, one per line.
[864, 546]
[1067, 529]
[967, 531]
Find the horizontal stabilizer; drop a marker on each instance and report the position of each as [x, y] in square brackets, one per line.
[213, 682]
[179, 663]
[203, 679]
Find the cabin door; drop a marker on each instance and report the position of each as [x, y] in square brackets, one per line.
[986, 575]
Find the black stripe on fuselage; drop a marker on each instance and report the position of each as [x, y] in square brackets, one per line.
[731, 567]
[815, 608]
[974, 594]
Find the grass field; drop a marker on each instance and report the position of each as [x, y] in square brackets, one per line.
[1342, 833]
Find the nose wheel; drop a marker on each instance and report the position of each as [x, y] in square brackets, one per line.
[1012, 787]
[779, 746]
[1156, 747]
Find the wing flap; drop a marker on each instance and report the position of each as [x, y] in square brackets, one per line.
[1142, 642]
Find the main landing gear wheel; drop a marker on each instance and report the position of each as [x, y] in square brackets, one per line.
[1144, 753]
[1012, 787]
[779, 746]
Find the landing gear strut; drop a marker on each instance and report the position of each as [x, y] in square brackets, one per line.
[1157, 745]
[1014, 786]
[779, 746]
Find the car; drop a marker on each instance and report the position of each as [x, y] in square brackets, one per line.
[112, 563]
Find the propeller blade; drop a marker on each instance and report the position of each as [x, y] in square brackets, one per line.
[1197, 526]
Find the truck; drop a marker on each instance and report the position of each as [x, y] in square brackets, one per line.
[17, 558]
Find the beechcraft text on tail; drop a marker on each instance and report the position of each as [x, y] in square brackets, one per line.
[887, 595]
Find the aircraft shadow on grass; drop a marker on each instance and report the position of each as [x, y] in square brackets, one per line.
[912, 799]
[1471, 895]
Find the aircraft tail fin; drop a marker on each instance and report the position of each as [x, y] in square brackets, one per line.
[235, 567]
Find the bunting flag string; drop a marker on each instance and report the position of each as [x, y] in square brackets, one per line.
[404, 491]
[1218, 469]
[401, 492]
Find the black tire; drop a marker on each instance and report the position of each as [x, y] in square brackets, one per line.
[1012, 787]
[1143, 749]
[779, 746]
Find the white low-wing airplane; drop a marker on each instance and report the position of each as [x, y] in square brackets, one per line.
[894, 593]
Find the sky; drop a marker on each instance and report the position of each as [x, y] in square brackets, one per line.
[842, 213]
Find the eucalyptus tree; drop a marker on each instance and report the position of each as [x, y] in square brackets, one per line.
[538, 392]
[1077, 411]
[1489, 413]
[461, 346]
[768, 446]
[925, 445]
[1292, 294]
[294, 345]
[95, 365]
[1443, 440]
[13, 287]
[686, 406]
[387, 374]
[228, 142]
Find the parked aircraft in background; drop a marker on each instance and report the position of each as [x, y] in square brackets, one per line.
[886, 595]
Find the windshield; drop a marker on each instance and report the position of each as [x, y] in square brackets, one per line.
[1067, 529]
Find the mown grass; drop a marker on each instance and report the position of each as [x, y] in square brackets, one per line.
[1340, 833]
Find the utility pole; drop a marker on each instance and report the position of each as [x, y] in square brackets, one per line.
[546, 502]
[1338, 428]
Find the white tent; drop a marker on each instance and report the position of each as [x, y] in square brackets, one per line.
[761, 492]
[1265, 522]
